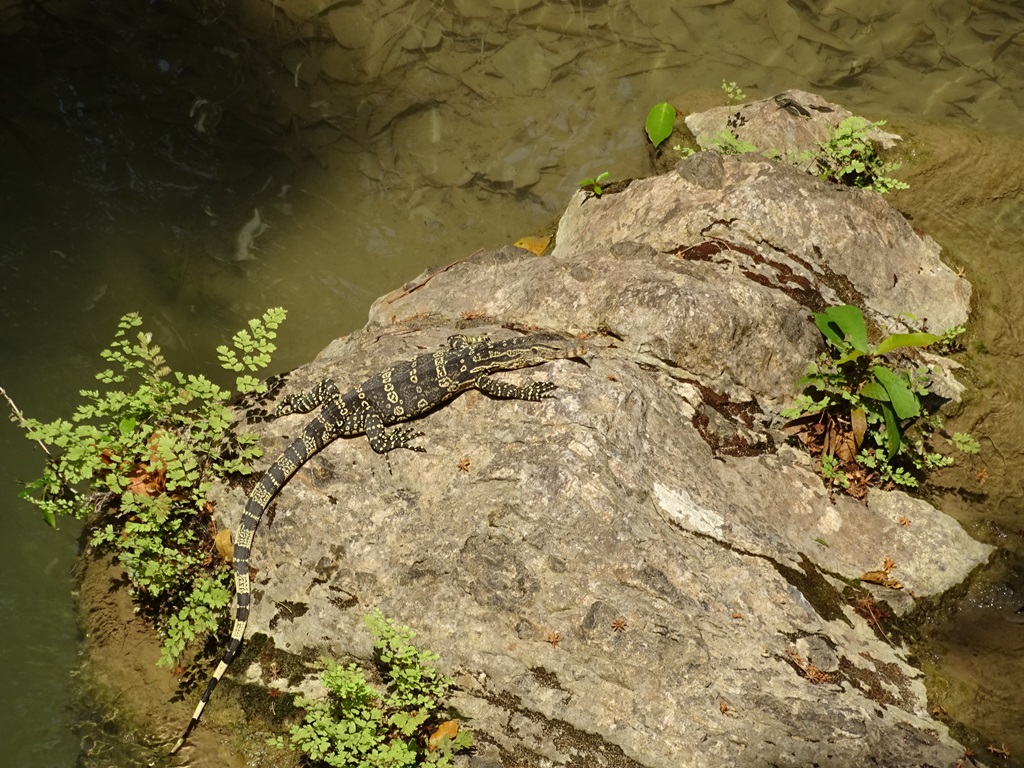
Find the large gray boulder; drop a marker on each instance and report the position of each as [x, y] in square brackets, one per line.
[649, 515]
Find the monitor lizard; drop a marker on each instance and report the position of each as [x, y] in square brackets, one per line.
[401, 392]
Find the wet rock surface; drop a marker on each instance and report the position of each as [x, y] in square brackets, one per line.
[637, 571]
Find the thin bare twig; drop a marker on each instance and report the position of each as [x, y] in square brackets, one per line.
[19, 418]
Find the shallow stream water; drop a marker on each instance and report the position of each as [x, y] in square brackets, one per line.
[200, 162]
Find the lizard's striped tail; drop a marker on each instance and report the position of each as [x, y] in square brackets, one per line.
[312, 440]
[236, 641]
[242, 596]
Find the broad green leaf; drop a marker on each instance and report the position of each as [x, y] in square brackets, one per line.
[660, 122]
[875, 391]
[126, 426]
[892, 430]
[904, 340]
[904, 401]
[832, 332]
[851, 323]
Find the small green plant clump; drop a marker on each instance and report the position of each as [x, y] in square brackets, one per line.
[850, 158]
[863, 413]
[847, 157]
[594, 185]
[733, 93]
[728, 143]
[358, 726]
[144, 453]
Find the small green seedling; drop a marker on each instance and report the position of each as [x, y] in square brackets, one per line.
[594, 185]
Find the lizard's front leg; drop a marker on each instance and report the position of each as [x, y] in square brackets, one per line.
[383, 440]
[535, 391]
[304, 402]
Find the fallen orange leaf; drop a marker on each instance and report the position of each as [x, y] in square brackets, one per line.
[222, 541]
[449, 728]
[147, 480]
[535, 245]
[882, 579]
